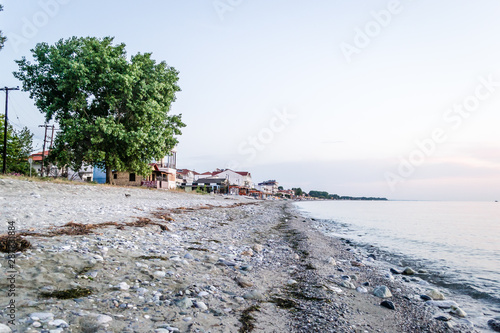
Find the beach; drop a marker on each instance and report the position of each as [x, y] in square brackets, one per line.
[118, 259]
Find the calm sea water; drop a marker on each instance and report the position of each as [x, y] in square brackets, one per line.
[457, 242]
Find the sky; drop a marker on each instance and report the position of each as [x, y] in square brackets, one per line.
[396, 99]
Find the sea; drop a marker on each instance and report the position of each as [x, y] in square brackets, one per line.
[458, 243]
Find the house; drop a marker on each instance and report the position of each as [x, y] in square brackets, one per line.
[185, 177]
[213, 184]
[84, 174]
[37, 160]
[269, 187]
[242, 179]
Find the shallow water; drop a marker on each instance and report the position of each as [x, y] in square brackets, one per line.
[457, 242]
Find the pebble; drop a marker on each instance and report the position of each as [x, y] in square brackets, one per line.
[243, 282]
[122, 286]
[395, 272]
[435, 294]
[200, 305]
[103, 319]
[58, 323]
[160, 274]
[253, 294]
[331, 261]
[425, 297]
[388, 304]
[443, 318]
[408, 271]
[382, 292]
[203, 294]
[362, 290]
[5, 329]
[42, 316]
[184, 303]
[257, 248]
[188, 256]
[347, 284]
[458, 312]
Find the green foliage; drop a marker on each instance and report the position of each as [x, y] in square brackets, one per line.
[298, 191]
[280, 188]
[19, 147]
[319, 194]
[112, 113]
[2, 37]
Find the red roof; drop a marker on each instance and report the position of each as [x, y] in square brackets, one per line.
[243, 173]
[38, 156]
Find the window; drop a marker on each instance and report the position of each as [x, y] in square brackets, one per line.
[115, 176]
[131, 177]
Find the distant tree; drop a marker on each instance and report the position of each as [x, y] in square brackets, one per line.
[112, 113]
[280, 188]
[2, 37]
[298, 191]
[19, 147]
[319, 194]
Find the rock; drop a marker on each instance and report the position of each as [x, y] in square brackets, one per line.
[253, 294]
[200, 305]
[442, 304]
[5, 329]
[408, 271]
[494, 324]
[443, 318]
[362, 290]
[388, 304]
[257, 248]
[122, 286]
[382, 292]
[455, 310]
[36, 324]
[331, 261]
[160, 274]
[291, 282]
[58, 323]
[103, 319]
[347, 284]
[374, 257]
[162, 330]
[184, 303]
[357, 264]
[188, 256]
[425, 297]
[395, 272]
[202, 294]
[247, 252]
[243, 282]
[435, 294]
[42, 316]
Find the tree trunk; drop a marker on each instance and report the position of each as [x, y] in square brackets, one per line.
[109, 175]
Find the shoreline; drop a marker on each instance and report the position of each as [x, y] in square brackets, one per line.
[196, 266]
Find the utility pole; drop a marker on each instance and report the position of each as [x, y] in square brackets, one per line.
[4, 168]
[45, 139]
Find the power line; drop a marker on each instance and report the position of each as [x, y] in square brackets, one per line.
[4, 168]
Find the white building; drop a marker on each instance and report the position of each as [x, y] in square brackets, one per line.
[238, 178]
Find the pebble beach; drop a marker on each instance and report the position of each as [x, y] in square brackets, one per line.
[116, 259]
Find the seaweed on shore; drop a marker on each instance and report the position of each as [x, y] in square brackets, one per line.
[11, 244]
[247, 320]
[67, 294]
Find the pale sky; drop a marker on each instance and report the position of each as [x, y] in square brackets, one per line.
[399, 99]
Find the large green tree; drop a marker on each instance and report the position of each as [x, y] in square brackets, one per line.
[2, 37]
[112, 112]
[19, 147]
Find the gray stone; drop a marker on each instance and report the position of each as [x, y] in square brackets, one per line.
[382, 292]
[443, 318]
[388, 304]
[243, 282]
[253, 294]
[122, 286]
[200, 305]
[5, 329]
[362, 290]
[347, 284]
[408, 271]
[42, 316]
[103, 319]
[184, 303]
[58, 323]
[435, 294]
[455, 310]
[188, 256]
